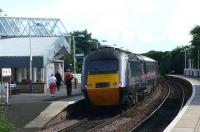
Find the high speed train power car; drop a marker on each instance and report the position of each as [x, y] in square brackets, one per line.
[112, 76]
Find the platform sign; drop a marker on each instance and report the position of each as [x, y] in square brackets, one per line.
[6, 72]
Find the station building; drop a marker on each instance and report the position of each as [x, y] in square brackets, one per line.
[42, 39]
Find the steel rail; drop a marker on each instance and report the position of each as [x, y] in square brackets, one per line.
[132, 129]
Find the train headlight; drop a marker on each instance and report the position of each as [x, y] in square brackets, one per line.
[117, 84]
[85, 86]
[88, 86]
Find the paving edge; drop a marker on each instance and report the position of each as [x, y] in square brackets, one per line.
[50, 112]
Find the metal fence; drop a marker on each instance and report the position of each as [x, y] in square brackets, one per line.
[192, 72]
[4, 93]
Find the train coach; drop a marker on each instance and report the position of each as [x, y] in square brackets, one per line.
[112, 76]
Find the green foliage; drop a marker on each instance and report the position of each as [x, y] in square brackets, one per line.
[169, 61]
[195, 32]
[5, 125]
[68, 61]
[164, 66]
[177, 60]
[84, 44]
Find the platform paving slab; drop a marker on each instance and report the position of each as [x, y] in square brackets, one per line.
[24, 108]
[50, 112]
[188, 119]
[183, 130]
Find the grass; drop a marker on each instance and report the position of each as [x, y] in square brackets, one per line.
[5, 125]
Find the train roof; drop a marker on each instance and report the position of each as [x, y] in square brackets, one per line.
[142, 57]
[130, 54]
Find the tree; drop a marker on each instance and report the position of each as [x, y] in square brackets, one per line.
[177, 60]
[169, 61]
[195, 32]
[84, 45]
[156, 55]
[163, 59]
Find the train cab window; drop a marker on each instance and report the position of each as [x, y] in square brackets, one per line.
[103, 66]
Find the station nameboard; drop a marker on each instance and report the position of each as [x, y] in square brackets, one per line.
[6, 72]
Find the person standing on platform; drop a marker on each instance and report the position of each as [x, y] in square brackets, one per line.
[68, 82]
[58, 80]
[52, 85]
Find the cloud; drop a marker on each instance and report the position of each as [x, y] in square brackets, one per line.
[129, 23]
[142, 7]
[148, 37]
[183, 19]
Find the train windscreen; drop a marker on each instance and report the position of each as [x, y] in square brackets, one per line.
[103, 66]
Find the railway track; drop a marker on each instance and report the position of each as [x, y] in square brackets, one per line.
[92, 125]
[159, 119]
[145, 115]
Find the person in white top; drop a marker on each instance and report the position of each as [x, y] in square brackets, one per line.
[52, 85]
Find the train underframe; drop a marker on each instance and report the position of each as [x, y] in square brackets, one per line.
[136, 93]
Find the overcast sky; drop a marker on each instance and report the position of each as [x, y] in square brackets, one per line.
[137, 25]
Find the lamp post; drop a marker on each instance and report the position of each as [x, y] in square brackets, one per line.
[185, 51]
[198, 57]
[30, 50]
[97, 44]
[185, 58]
[74, 55]
[30, 69]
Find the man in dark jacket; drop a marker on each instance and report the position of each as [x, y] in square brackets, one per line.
[58, 80]
[68, 82]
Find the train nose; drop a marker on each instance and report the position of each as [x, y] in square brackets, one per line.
[104, 90]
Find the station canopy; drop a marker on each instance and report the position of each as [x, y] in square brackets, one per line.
[34, 27]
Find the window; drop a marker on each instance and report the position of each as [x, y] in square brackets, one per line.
[150, 67]
[135, 68]
[103, 66]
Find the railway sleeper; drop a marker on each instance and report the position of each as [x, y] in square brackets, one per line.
[140, 94]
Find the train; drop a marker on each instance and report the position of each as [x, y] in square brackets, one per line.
[111, 76]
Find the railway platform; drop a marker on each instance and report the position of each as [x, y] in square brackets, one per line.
[30, 112]
[188, 119]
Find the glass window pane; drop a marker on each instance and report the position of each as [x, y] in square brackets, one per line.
[45, 22]
[52, 27]
[33, 28]
[2, 31]
[19, 25]
[25, 24]
[41, 27]
[13, 25]
[7, 27]
[61, 27]
[103, 66]
[135, 68]
[55, 28]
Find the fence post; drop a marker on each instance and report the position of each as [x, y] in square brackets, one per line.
[7, 94]
[1, 91]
